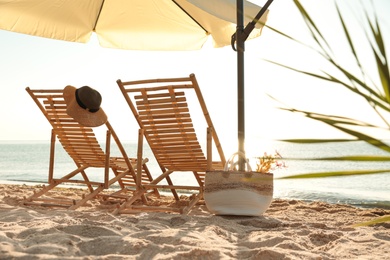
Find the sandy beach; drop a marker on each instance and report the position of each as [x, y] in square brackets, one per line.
[288, 230]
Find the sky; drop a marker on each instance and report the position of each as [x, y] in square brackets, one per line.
[28, 61]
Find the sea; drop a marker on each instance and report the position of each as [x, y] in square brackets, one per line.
[27, 162]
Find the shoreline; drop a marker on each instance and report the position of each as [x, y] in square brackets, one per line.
[365, 204]
[289, 229]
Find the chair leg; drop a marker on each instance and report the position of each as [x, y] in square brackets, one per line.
[42, 191]
[172, 190]
[54, 183]
[88, 197]
[86, 179]
[149, 175]
[107, 162]
[137, 195]
[192, 203]
[52, 152]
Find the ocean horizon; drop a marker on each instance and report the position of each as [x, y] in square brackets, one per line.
[27, 162]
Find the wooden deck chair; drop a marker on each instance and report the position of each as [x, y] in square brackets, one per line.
[161, 110]
[82, 146]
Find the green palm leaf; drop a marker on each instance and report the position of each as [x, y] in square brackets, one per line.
[373, 221]
[356, 158]
[333, 174]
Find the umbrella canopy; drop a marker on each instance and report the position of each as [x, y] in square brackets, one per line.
[129, 24]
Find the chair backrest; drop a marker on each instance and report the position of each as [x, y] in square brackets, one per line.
[161, 110]
[78, 141]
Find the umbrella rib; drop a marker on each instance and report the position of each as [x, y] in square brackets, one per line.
[178, 5]
[98, 16]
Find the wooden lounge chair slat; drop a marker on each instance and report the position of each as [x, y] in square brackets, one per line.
[75, 131]
[164, 114]
[189, 136]
[172, 143]
[169, 120]
[77, 145]
[65, 123]
[65, 126]
[163, 108]
[183, 127]
[168, 131]
[183, 153]
[157, 95]
[169, 141]
[180, 101]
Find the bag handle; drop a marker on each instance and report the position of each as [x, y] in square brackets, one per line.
[231, 164]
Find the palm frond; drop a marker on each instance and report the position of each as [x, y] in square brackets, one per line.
[348, 37]
[379, 50]
[338, 122]
[355, 158]
[312, 141]
[333, 174]
[315, 32]
[373, 222]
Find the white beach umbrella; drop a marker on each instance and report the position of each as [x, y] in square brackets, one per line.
[128, 24]
[142, 25]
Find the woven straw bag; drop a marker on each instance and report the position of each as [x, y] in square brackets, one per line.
[231, 192]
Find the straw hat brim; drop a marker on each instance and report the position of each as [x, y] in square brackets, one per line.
[80, 114]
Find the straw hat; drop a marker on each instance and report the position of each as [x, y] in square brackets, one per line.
[83, 104]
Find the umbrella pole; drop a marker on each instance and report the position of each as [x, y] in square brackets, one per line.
[239, 38]
[240, 43]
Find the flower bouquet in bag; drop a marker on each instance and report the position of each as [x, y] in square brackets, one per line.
[244, 193]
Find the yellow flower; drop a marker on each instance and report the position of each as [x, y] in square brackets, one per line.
[268, 162]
